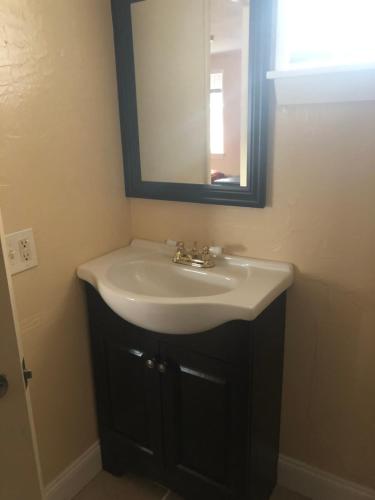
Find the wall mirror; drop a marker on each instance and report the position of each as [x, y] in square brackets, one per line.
[193, 98]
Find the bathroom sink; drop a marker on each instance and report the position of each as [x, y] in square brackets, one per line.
[158, 278]
[142, 285]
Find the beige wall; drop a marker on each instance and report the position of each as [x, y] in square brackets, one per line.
[321, 217]
[61, 160]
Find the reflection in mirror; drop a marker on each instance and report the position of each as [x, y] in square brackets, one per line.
[191, 72]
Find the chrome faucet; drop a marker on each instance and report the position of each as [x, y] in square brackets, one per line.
[194, 257]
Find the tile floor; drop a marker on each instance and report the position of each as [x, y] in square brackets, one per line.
[106, 487]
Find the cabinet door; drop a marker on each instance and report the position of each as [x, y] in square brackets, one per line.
[134, 390]
[205, 413]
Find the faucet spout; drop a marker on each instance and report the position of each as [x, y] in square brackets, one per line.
[194, 257]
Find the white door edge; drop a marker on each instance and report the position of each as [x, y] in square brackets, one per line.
[12, 313]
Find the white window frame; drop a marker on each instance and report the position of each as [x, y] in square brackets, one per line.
[305, 85]
[221, 154]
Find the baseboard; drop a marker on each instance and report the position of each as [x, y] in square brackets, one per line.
[318, 485]
[75, 477]
[293, 474]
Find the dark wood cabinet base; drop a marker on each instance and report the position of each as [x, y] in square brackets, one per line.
[199, 413]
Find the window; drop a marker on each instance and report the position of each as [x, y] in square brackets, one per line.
[216, 114]
[318, 33]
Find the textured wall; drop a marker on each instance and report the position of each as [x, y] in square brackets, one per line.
[61, 172]
[320, 217]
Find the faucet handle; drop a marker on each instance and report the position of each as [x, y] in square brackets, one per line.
[180, 252]
[180, 247]
[207, 257]
[216, 250]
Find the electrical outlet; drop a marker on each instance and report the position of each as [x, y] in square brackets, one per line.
[21, 251]
[25, 250]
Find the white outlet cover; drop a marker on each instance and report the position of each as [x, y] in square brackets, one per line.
[17, 263]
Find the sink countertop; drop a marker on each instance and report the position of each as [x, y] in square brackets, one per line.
[141, 284]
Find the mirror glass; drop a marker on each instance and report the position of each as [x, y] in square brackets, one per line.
[191, 61]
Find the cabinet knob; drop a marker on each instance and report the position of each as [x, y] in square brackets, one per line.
[150, 363]
[162, 367]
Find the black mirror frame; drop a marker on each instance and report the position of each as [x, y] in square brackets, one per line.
[254, 195]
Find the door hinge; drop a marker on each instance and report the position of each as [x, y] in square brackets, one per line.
[27, 374]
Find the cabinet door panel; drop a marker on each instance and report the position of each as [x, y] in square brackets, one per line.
[205, 412]
[202, 404]
[134, 393]
[127, 380]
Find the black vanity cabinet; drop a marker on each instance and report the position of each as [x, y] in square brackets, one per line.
[199, 413]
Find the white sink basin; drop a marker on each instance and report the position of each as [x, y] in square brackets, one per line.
[143, 286]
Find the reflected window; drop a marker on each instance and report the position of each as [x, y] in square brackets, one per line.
[216, 114]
